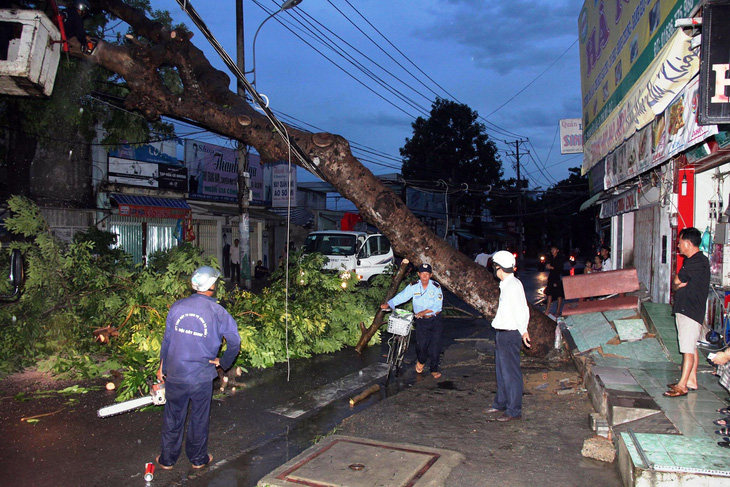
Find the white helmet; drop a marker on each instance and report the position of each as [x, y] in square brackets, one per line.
[204, 278]
[505, 260]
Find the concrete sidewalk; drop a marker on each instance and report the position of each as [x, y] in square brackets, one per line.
[626, 359]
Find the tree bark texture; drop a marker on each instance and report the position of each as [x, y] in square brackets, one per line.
[208, 100]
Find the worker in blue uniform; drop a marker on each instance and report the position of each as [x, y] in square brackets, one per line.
[428, 301]
[194, 331]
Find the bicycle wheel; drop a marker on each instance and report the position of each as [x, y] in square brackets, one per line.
[392, 355]
[402, 347]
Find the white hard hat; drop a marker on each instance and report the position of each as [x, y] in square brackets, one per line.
[204, 278]
[505, 260]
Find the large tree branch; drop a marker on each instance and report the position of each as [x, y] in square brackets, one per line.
[207, 99]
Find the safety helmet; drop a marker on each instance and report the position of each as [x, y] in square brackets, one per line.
[204, 278]
[505, 260]
[82, 6]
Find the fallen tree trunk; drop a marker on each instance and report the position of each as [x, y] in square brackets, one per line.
[207, 99]
[378, 320]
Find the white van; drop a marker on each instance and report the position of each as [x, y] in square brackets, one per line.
[365, 254]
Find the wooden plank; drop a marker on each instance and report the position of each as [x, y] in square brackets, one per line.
[601, 283]
[582, 307]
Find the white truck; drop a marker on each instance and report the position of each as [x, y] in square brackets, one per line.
[365, 254]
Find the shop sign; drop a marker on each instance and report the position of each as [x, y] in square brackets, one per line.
[283, 185]
[212, 171]
[672, 131]
[623, 203]
[152, 211]
[715, 66]
[619, 39]
[571, 136]
[153, 165]
[676, 65]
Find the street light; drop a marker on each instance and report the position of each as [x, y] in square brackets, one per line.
[284, 6]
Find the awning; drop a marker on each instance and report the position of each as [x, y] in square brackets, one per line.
[591, 201]
[151, 206]
[467, 235]
[299, 216]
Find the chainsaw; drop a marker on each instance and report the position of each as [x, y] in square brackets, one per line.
[156, 397]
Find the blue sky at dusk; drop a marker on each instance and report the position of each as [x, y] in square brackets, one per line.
[365, 69]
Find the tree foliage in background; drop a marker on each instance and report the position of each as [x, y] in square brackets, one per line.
[73, 291]
[452, 146]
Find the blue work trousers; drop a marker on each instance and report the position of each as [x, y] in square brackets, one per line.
[509, 374]
[428, 340]
[173, 422]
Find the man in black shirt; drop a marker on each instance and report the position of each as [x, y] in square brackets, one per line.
[691, 285]
[554, 288]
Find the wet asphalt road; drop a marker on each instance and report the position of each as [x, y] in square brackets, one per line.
[74, 447]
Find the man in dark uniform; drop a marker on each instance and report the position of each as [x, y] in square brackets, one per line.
[554, 289]
[427, 303]
[195, 328]
[73, 23]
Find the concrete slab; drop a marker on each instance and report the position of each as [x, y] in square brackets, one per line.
[630, 329]
[358, 462]
[322, 396]
[625, 406]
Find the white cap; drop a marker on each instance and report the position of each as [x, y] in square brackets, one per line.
[204, 278]
[505, 260]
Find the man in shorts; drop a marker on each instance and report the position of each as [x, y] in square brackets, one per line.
[691, 285]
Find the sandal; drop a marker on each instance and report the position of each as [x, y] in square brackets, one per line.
[724, 431]
[676, 393]
[163, 467]
[436, 375]
[210, 459]
[674, 386]
[419, 367]
[724, 410]
[722, 421]
[724, 444]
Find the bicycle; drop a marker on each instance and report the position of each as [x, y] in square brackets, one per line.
[400, 326]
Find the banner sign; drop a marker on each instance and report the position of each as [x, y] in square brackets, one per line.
[676, 65]
[619, 39]
[162, 152]
[673, 131]
[571, 136]
[152, 211]
[153, 165]
[280, 186]
[715, 66]
[212, 171]
[623, 203]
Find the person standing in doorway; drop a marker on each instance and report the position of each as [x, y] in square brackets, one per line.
[691, 285]
[195, 329]
[605, 253]
[511, 321]
[554, 288]
[235, 262]
[428, 299]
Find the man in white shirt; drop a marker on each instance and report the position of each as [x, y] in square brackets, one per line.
[235, 262]
[483, 258]
[605, 254]
[511, 320]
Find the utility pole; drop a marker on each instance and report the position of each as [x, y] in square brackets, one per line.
[520, 222]
[243, 190]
